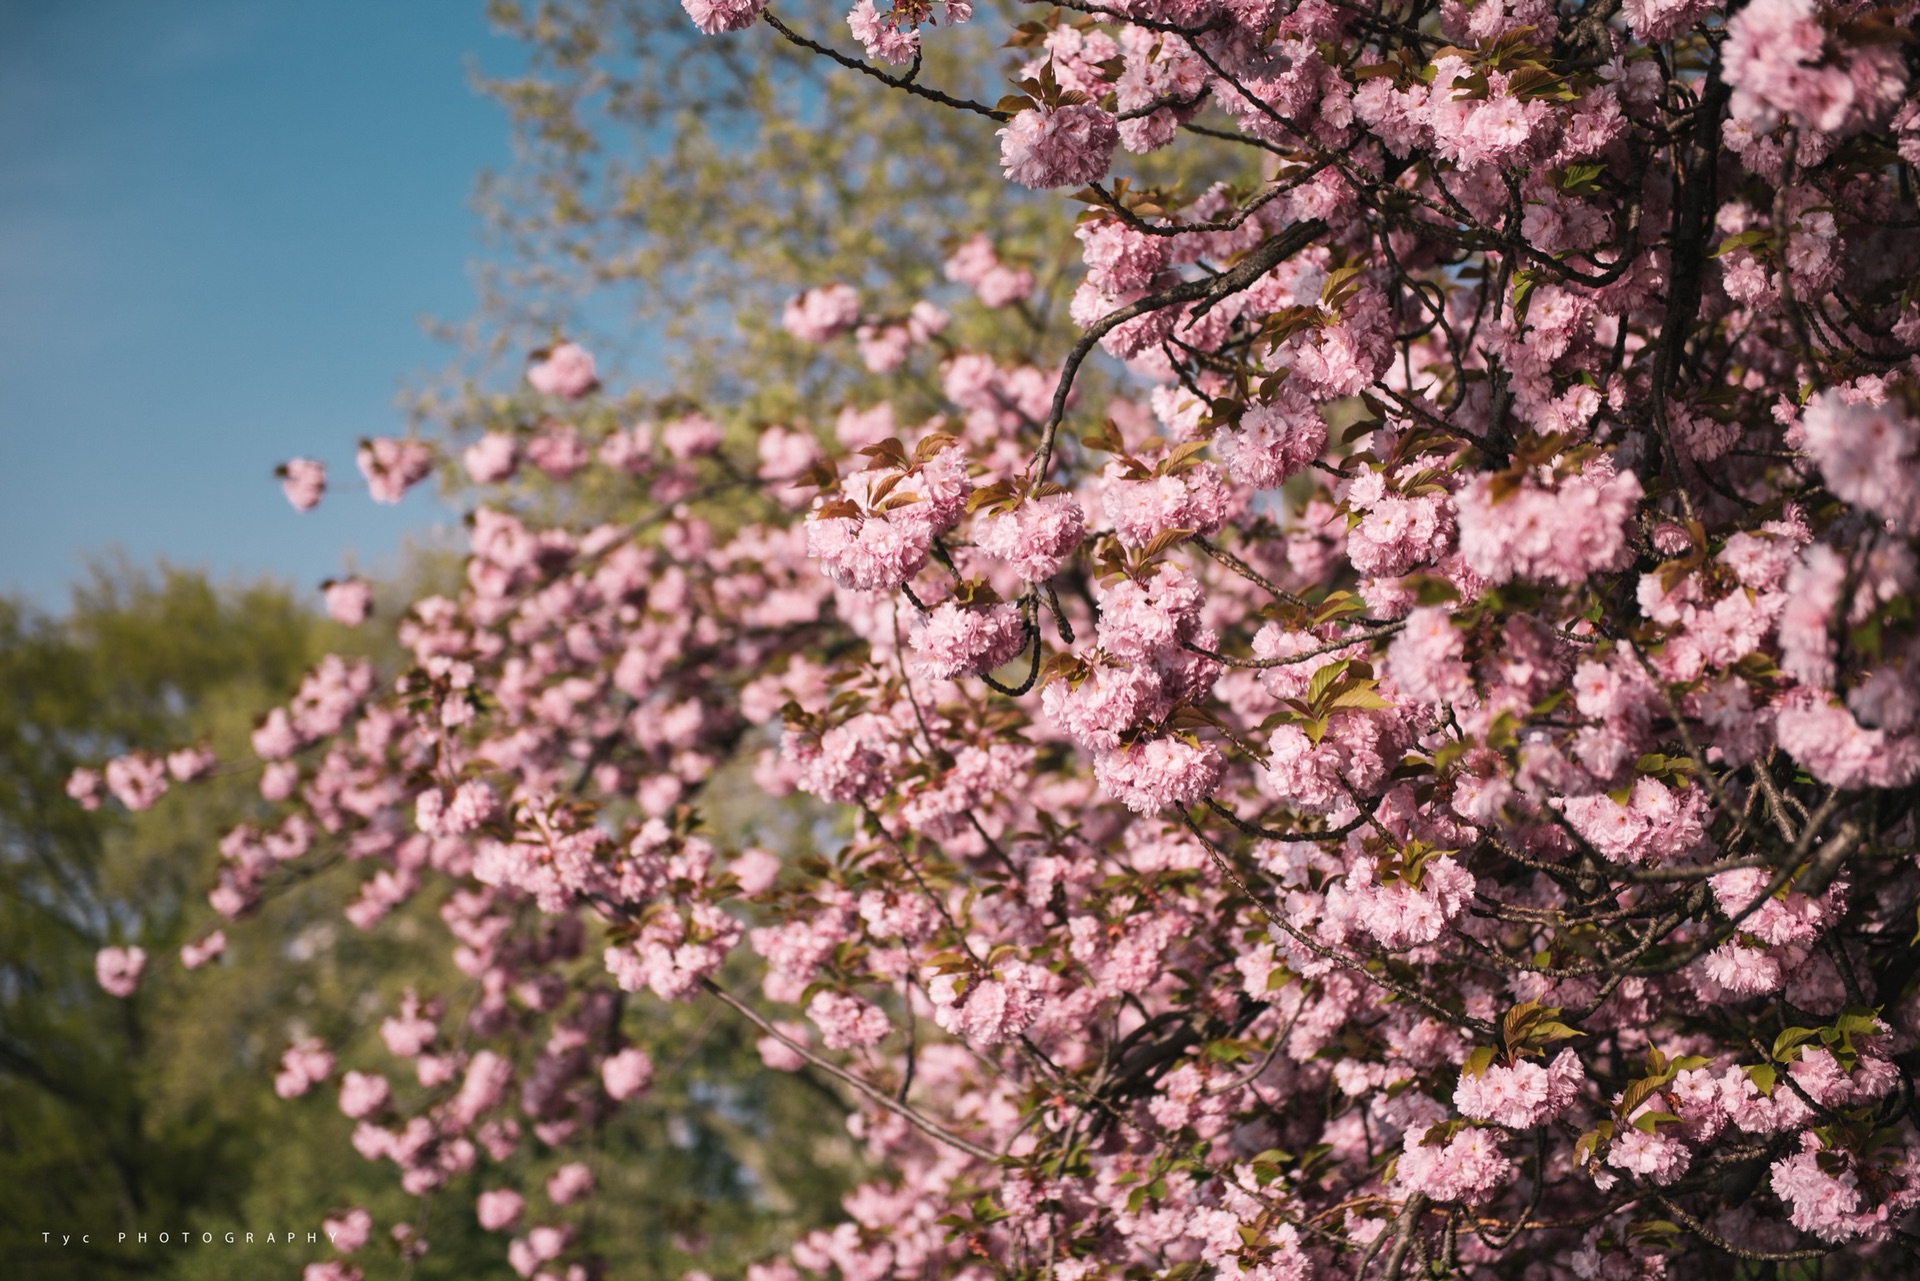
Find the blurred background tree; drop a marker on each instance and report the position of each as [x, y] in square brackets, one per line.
[157, 1113]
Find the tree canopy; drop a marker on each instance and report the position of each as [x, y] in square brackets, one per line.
[1245, 639]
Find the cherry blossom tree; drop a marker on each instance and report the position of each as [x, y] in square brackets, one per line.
[1408, 772]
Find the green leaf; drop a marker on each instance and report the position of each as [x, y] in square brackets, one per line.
[1786, 1045]
[1524, 281]
[1360, 696]
[1323, 680]
[1745, 240]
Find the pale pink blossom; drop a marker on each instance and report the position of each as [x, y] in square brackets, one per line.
[569, 1183]
[494, 457]
[350, 1231]
[349, 600]
[499, 1209]
[392, 466]
[137, 780]
[304, 481]
[305, 1064]
[1867, 453]
[846, 1022]
[953, 640]
[118, 969]
[198, 953]
[363, 1093]
[1058, 147]
[1523, 1095]
[626, 1073]
[558, 451]
[823, 313]
[83, 786]
[186, 764]
[566, 370]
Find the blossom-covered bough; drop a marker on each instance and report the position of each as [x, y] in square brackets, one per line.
[1417, 784]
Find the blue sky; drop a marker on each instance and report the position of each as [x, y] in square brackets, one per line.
[221, 222]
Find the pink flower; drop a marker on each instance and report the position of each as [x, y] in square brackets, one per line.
[627, 1073]
[1655, 824]
[499, 1209]
[1867, 453]
[1658, 1157]
[883, 37]
[881, 543]
[1141, 510]
[1160, 772]
[332, 1270]
[118, 969]
[821, 314]
[488, 1076]
[1120, 258]
[1035, 537]
[350, 1231]
[785, 453]
[690, 436]
[1425, 659]
[1058, 147]
[1141, 620]
[363, 1093]
[629, 450]
[1556, 535]
[407, 1033]
[137, 780]
[846, 1021]
[1523, 1095]
[1272, 443]
[1467, 1167]
[186, 764]
[83, 785]
[195, 955]
[276, 738]
[756, 869]
[1838, 750]
[349, 600]
[494, 457]
[569, 1183]
[1098, 708]
[393, 466]
[303, 480]
[975, 265]
[565, 371]
[777, 1054]
[972, 261]
[1004, 286]
[1395, 533]
[558, 451]
[1397, 913]
[989, 1011]
[305, 1064]
[1657, 21]
[955, 640]
[715, 16]
[1777, 60]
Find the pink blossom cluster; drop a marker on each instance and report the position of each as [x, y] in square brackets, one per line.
[821, 314]
[1391, 759]
[392, 466]
[976, 266]
[566, 371]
